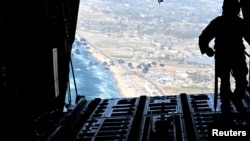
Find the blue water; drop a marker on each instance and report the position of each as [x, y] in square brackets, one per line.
[92, 81]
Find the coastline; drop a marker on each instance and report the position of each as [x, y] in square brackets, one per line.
[132, 82]
[121, 76]
[129, 83]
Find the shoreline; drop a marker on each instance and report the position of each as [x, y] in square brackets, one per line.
[131, 82]
[128, 83]
[123, 84]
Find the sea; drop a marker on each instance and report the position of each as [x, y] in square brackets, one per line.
[88, 76]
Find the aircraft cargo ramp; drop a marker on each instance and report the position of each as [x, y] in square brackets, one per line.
[184, 117]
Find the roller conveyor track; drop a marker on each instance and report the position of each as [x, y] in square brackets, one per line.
[184, 117]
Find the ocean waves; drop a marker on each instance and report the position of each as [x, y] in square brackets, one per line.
[91, 77]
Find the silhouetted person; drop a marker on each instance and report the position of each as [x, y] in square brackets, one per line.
[228, 32]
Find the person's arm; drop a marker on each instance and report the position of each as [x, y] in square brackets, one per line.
[206, 36]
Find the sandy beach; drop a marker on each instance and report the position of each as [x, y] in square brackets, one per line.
[132, 82]
[126, 81]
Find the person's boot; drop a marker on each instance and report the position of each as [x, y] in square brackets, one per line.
[226, 105]
[225, 111]
[237, 102]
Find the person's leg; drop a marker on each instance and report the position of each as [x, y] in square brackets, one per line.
[225, 93]
[240, 75]
[223, 69]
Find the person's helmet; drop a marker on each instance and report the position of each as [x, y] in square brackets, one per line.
[231, 7]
